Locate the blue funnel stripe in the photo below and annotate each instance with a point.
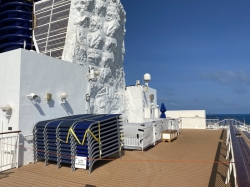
(15, 24)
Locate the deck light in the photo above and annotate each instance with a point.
(87, 97)
(48, 97)
(63, 97)
(5, 108)
(93, 74)
(32, 96)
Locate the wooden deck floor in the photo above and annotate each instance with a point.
(187, 161)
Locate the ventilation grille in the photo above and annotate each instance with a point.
(51, 26)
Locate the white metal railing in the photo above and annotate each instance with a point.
(212, 123)
(224, 123)
(131, 141)
(148, 133)
(9, 150)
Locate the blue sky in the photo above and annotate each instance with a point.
(197, 52)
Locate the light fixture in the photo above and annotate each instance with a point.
(48, 97)
(63, 97)
(5, 108)
(93, 74)
(32, 96)
(151, 97)
(87, 97)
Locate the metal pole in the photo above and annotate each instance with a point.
(24, 44)
(33, 24)
(1, 140)
(17, 150)
(1, 126)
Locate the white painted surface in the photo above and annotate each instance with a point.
(157, 112)
(193, 123)
(95, 39)
(10, 87)
(139, 104)
(166, 136)
(81, 162)
(190, 119)
(185, 113)
(23, 72)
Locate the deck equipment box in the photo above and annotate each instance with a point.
(169, 135)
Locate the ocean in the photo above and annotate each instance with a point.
(240, 117)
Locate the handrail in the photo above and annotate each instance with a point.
(10, 132)
(238, 162)
(231, 119)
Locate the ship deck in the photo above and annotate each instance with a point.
(195, 158)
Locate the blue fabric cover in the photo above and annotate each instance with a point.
(163, 110)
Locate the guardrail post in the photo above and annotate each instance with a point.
(234, 170)
(17, 150)
(229, 172)
(228, 151)
(154, 139)
(228, 136)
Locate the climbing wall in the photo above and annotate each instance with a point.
(95, 39)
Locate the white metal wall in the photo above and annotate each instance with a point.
(193, 123)
(23, 72)
(190, 119)
(139, 105)
(10, 87)
(185, 113)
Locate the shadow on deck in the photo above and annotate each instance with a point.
(5, 174)
(219, 170)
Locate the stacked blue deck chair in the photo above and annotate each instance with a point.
(66, 142)
(64, 139)
(43, 143)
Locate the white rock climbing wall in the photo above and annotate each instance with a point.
(95, 38)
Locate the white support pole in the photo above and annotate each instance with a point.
(232, 163)
(24, 44)
(1, 154)
(229, 173)
(1, 129)
(228, 136)
(228, 151)
(142, 140)
(17, 150)
(51, 13)
(234, 170)
(154, 139)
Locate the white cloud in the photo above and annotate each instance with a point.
(227, 77)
